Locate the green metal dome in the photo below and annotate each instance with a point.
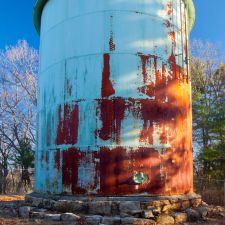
(38, 8)
(37, 12)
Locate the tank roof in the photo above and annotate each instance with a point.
(37, 12)
(39, 6)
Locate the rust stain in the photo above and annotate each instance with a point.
(114, 167)
(68, 125)
(70, 165)
(147, 89)
(175, 69)
(107, 86)
(71, 160)
(172, 36)
(111, 114)
(117, 168)
(169, 8)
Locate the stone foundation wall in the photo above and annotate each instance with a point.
(130, 210)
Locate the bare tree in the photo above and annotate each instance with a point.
(18, 80)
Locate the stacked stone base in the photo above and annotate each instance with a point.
(130, 210)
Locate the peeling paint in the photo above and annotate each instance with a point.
(107, 86)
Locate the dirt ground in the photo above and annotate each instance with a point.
(9, 216)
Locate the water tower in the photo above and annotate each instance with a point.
(114, 97)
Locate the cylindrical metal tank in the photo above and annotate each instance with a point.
(114, 99)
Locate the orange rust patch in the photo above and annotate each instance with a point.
(169, 9)
(172, 36)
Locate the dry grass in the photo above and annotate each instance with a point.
(18, 221)
(11, 198)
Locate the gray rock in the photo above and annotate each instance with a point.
(180, 217)
(53, 217)
(148, 214)
(204, 204)
(129, 206)
(124, 215)
(48, 203)
(193, 215)
(115, 210)
(136, 213)
(111, 220)
(39, 210)
(70, 206)
(37, 202)
(13, 212)
(100, 208)
(37, 215)
(93, 220)
(203, 211)
(165, 220)
(136, 221)
(24, 211)
(69, 217)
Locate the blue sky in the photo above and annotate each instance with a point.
(16, 22)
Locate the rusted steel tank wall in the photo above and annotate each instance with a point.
(114, 98)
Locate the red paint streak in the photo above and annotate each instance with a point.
(147, 89)
(155, 112)
(176, 70)
(163, 136)
(172, 36)
(151, 89)
(107, 87)
(169, 9)
(144, 61)
(68, 125)
(70, 169)
(72, 159)
(111, 114)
